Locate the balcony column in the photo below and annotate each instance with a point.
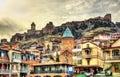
(18, 70)
(60, 69)
(10, 67)
(7, 67)
(65, 69)
(2, 67)
(22, 65)
(110, 54)
(27, 67)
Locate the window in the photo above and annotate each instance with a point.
(43, 68)
(17, 67)
(12, 67)
(115, 52)
(23, 57)
(13, 55)
(79, 46)
(79, 61)
(5, 55)
(88, 61)
(88, 45)
(74, 54)
(87, 52)
(37, 69)
(32, 57)
(2, 54)
(53, 68)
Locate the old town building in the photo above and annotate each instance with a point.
(92, 58)
(112, 57)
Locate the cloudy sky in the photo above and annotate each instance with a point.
(17, 15)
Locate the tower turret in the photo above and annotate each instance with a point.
(33, 26)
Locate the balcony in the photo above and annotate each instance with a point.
(5, 71)
(33, 62)
(30, 62)
(25, 71)
(25, 61)
(6, 60)
(114, 58)
(89, 56)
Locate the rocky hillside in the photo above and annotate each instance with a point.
(90, 27)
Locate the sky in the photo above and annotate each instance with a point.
(17, 15)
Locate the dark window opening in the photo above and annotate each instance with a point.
(115, 52)
(88, 61)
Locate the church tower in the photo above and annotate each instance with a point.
(68, 42)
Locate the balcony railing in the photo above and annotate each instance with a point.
(57, 71)
(4, 59)
(25, 61)
(30, 62)
(25, 71)
(89, 56)
(5, 71)
(114, 58)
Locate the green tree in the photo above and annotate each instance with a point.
(57, 57)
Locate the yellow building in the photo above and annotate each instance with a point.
(112, 57)
(92, 58)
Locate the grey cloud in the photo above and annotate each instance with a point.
(8, 27)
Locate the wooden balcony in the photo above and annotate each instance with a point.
(5, 60)
(31, 62)
(25, 61)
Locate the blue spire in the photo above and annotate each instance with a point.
(67, 33)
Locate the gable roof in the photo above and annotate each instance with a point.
(116, 43)
(67, 33)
